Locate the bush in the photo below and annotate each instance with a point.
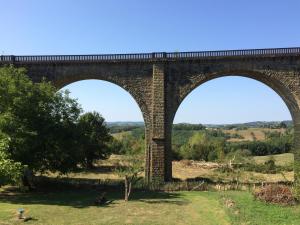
(270, 165)
(200, 145)
(10, 171)
(277, 194)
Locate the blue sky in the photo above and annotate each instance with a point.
(91, 27)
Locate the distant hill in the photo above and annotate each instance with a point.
(117, 127)
(128, 125)
(255, 124)
(125, 123)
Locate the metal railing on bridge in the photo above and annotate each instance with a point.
(150, 56)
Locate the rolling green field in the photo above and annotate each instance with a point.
(76, 207)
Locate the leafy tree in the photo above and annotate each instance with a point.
(10, 171)
(282, 125)
(115, 146)
(39, 121)
(95, 138)
(131, 143)
(201, 145)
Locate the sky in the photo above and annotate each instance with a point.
(30, 27)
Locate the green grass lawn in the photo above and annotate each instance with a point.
(250, 211)
(76, 207)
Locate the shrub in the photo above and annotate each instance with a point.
(270, 165)
(10, 171)
(277, 194)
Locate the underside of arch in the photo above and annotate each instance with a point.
(275, 84)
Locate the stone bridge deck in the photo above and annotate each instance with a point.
(155, 56)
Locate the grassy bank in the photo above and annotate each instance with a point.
(77, 207)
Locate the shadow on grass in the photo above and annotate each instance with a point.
(152, 197)
(99, 169)
(164, 201)
(86, 198)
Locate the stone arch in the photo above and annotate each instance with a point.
(285, 84)
(131, 87)
(282, 88)
(124, 86)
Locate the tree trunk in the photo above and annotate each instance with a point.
(28, 178)
(129, 189)
(126, 188)
(89, 163)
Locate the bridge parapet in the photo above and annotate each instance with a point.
(155, 56)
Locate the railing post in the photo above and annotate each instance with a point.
(12, 57)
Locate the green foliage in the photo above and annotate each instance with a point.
(249, 211)
(242, 128)
(187, 126)
(274, 144)
(40, 122)
(131, 165)
(235, 135)
(94, 138)
(203, 146)
(131, 143)
(267, 167)
(10, 171)
(282, 125)
(122, 128)
(214, 137)
(129, 169)
(239, 156)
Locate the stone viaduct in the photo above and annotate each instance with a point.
(159, 82)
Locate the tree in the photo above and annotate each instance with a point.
(129, 169)
(203, 146)
(39, 121)
(95, 138)
(10, 171)
(282, 125)
(131, 143)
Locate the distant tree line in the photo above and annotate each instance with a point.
(188, 126)
(122, 128)
(244, 126)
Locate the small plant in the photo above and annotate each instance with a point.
(129, 170)
(277, 194)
